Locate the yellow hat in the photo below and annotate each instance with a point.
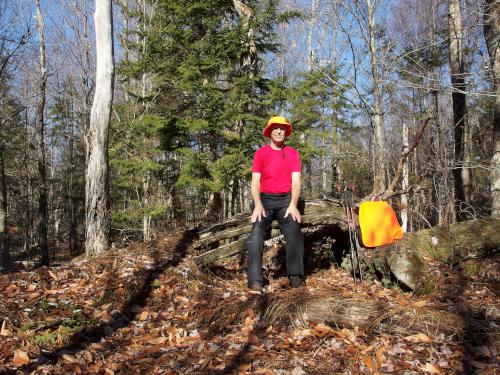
(277, 120)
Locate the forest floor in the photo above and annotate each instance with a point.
(149, 309)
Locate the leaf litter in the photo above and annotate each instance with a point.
(149, 309)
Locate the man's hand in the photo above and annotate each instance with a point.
(292, 210)
(258, 213)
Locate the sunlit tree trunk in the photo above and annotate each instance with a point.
(40, 130)
(97, 182)
(461, 172)
(492, 36)
(146, 217)
(379, 172)
(405, 182)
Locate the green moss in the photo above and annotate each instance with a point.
(427, 286)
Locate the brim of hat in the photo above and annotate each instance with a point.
(269, 128)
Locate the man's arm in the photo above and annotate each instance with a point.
(258, 211)
(296, 187)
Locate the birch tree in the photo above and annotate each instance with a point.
(97, 179)
(492, 36)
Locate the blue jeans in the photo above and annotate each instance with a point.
(293, 238)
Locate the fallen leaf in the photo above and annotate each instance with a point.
(431, 369)
(70, 359)
(380, 357)
(34, 295)
(158, 340)
(298, 371)
(144, 315)
(420, 303)
(4, 331)
(31, 288)
(321, 330)
(11, 288)
(370, 363)
(244, 367)
(20, 358)
(419, 337)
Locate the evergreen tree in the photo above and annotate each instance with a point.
(210, 107)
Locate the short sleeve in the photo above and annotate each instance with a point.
(296, 167)
(257, 162)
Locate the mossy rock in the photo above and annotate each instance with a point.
(408, 260)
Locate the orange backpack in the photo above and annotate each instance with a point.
(379, 224)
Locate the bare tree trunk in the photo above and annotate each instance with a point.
(146, 218)
(310, 30)
(72, 232)
(40, 125)
(492, 36)
(28, 245)
(4, 250)
(379, 175)
(97, 182)
(460, 172)
(405, 182)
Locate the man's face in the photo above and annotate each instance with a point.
(278, 134)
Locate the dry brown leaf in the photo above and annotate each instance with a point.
(31, 288)
(419, 337)
(108, 371)
(380, 357)
(321, 330)
(158, 340)
(245, 367)
(420, 303)
(70, 359)
(144, 315)
(20, 358)
(370, 363)
(4, 331)
(431, 369)
(34, 295)
(11, 288)
(368, 349)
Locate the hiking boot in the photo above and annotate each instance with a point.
(295, 281)
(255, 286)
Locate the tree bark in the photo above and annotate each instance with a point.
(40, 125)
(405, 181)
(379, 171)
(492, 36)
(461, 172)
(4, 250)
(97, 181)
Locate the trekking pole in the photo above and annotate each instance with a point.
(357, 248)
(353, 238)
(347, 203)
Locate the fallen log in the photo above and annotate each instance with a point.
(227, 239)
